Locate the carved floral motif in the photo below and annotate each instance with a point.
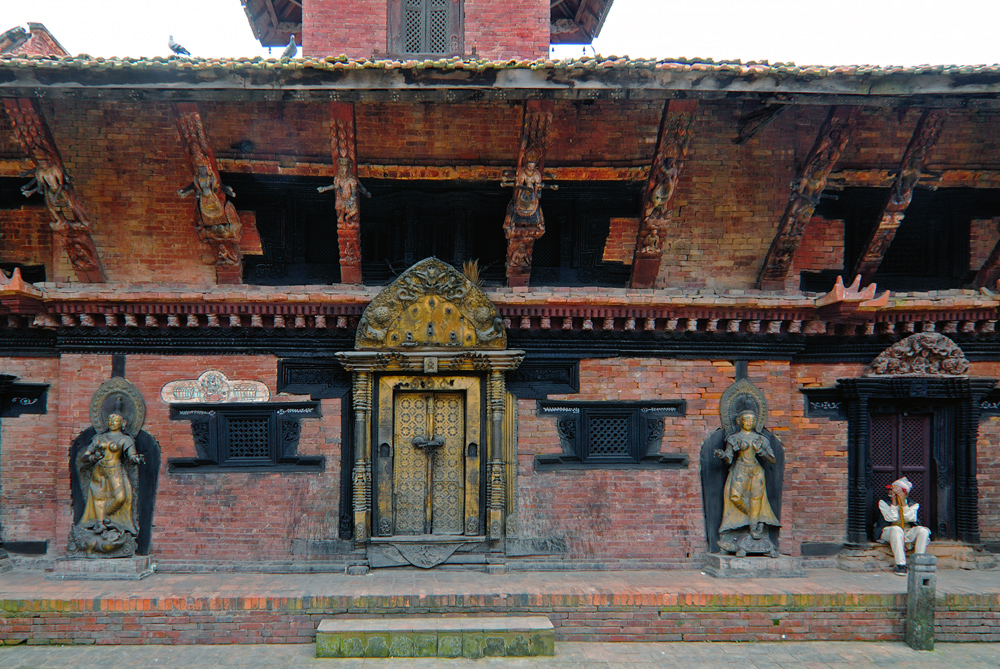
(922, 354)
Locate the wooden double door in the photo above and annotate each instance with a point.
(428, 459)
(916, 441)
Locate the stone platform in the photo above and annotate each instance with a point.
(730, 566)
(665, 605)
(436, 636)
(116, 569)
(950, 555)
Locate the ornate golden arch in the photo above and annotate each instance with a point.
(431, 305)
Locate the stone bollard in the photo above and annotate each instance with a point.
(921, 584)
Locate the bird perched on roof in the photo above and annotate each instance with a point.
(245, 146)
(292, 49)
(177, 48)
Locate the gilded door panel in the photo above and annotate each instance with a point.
(416, 494)
(449, 464)
(410, 464)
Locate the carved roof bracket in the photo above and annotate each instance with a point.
(347, 189)
(524, 222)
(671, 151)
(215, 218)
(830, 142)
(71, 222)
(917, 153)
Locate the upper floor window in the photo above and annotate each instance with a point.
(425, 27)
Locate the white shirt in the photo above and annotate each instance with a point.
(891, 512)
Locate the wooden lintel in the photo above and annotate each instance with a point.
(347, 189)
(925, 135)
(830, 141)
(71, 221)
(668, 160)
(524, 222)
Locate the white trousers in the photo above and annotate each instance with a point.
(895, 537)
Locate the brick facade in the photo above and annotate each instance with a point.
(518, 29)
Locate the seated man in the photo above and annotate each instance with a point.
(898, 525)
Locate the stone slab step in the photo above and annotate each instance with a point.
(950, 555)
(435, 636)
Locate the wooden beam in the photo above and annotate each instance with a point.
(668, 160)
(347, 189)
(215, 218)
(524, 222)
(274, 15)
(830, 141)
(925, 135)
(71, 221)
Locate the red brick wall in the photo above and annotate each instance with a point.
(606, 516)
(512, 29)
(26, 237)
(982, 238)
(31, 457)
(988, 459)
(227, 516)
(334, 27)
(127, 162)
(822, 247)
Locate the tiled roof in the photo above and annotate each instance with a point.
(84, 61)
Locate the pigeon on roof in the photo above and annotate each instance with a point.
(291, 50)
(177, 48)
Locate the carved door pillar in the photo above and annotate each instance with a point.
(362, 475)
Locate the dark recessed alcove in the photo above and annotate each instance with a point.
(931, 248)
(406, 221)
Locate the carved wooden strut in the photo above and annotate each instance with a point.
(830, 142)
(524, 222)
(917, 153)
(215, 218)
(671, 151)
(347, 188)
(71, 223)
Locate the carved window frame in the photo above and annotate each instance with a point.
(644, 433)
(210, 429)
(396, 27)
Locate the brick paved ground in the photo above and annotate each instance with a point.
(604, 655)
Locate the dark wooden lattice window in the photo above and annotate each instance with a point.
(901, 446)
(425, 27)
(246, 436)
(599, 434)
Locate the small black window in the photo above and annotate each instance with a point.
(601, 434)
(246, 436)
(425, 27)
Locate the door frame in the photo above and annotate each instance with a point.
(953, 458)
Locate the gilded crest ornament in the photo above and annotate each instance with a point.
(431, 305)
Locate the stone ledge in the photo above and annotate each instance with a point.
(950, 554)
(419, 636)
(98, 569)
(730, 566)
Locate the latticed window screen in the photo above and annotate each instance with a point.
(610, 436)
(248, 438)
(428, 26)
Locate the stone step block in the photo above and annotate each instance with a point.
(428, 636)
(950, 554)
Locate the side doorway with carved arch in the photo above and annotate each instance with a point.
(915, 411)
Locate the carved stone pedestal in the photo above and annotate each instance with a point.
(5, 563)
(730, 566)
(110, 569)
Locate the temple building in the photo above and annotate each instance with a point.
(425, 296)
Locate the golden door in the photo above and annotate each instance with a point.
(428, 475)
